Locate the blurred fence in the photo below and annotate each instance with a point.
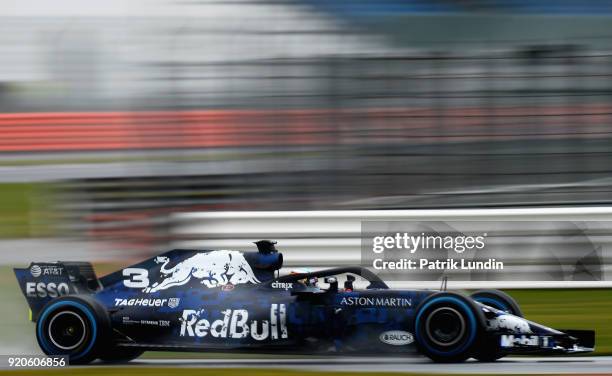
(474, 128)
(332, 238)
(558, 94)
(485, 125)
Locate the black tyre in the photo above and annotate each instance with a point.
(114, 354)
(489, 349)
(76, 326)
(498, 300)
(447, 327)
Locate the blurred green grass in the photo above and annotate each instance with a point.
(25, 210)
(15, 204)
(571, 309)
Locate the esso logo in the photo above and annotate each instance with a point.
(43, 290)
(396, 338)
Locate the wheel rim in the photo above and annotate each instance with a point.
(67, 330)
(445, 326)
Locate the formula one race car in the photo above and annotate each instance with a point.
(203, 300)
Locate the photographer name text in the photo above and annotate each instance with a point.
(448, 264)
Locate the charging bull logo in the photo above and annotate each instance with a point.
(214, 269)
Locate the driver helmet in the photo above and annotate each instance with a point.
(312, 281)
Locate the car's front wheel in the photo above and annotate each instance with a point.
(447, 327)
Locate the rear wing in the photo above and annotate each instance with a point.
(41, 282)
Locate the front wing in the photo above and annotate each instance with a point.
(567, 342)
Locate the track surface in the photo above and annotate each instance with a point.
(537, 365)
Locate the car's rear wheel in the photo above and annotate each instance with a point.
(75, 326)
(447, 327)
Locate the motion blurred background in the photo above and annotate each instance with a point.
(117, 116)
